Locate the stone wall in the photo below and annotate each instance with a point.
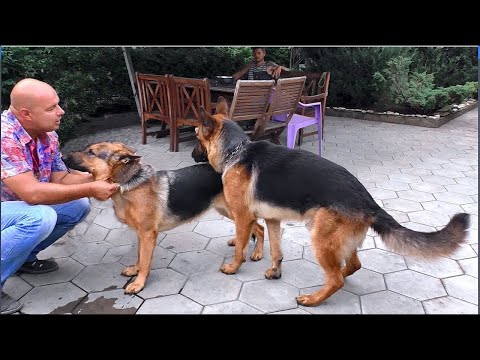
(441, 117)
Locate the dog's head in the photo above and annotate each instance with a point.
(105, 161)
(219, 137)
(199, 153)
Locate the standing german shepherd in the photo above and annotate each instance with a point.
(261, 179)
(151, 202)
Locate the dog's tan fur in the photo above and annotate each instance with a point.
(335, 233)
(147, 217)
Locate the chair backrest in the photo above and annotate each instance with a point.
(154, 95)
(188, 95)
(284, 101)
(317, 85)
(251, 99)
(286, 96)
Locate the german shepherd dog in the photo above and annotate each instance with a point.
(151, 202)
(261, 179)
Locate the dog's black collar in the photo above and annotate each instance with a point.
(144, 174)
(231, 154)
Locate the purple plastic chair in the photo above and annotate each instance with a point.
(298, 122)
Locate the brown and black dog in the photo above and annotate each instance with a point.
(150, 201)
(261, 179)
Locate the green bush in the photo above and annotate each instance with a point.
(84, 78)
(357, 80)
(399, 88)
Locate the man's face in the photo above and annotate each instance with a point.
(46, 113)
(258, 55)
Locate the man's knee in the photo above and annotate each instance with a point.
(83, 208)
(41, 219)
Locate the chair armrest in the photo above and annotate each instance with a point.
(309, 104)
(313, 98)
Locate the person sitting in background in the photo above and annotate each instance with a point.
(40, 199)
(259, 69)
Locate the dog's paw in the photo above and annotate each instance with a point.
(228, 269)
(273, 274)
(134, 287)
(256, 255)
(131, 270)
(231, 242)
(306, 300)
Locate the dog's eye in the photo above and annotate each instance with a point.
(90, 152)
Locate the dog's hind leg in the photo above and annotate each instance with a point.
(274, 234)
(352, 264)
(259, 233)
(147, 240)
(329, 232)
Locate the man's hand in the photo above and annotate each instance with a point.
(103, 190)
(274, 71)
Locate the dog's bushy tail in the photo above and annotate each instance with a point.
(428, 245)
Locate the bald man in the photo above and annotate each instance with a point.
(40, 199)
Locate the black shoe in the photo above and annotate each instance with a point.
(9, 305)
(38, 267)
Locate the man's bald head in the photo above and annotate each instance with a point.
(29, 93)
(35, 104)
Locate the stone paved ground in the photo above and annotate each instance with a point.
(422, 176)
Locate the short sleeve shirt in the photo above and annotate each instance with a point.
(260, 72)
(17, 150)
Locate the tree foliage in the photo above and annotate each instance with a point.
(420, 79)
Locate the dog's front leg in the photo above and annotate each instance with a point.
(243, 231)
(146, 244)
(274, 234)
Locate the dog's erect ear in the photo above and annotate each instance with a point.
(132, 150)
(208, 122)
(125, 159)
(222, 106)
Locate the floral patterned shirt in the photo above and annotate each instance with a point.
(17, 150)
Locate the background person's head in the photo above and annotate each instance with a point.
(258, 54)
(36, 105)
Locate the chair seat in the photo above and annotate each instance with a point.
(302, 121)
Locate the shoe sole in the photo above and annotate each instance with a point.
(28, 271)
(11, 311)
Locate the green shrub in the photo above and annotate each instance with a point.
(399, 88)
(84, 78)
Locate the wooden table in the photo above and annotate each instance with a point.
(227, 91)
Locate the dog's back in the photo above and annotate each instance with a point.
(300, 180)
(190, 191)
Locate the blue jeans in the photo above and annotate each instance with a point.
(28, 229)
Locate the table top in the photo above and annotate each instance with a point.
(223, 88)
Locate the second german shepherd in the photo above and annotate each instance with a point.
(261, 179)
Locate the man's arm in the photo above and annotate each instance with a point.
(241, 72)
(275, 70)
(66, 178)
(32, 191)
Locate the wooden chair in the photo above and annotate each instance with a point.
(155, 100)
(283, 103)
(250, 100)
(187, 96)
